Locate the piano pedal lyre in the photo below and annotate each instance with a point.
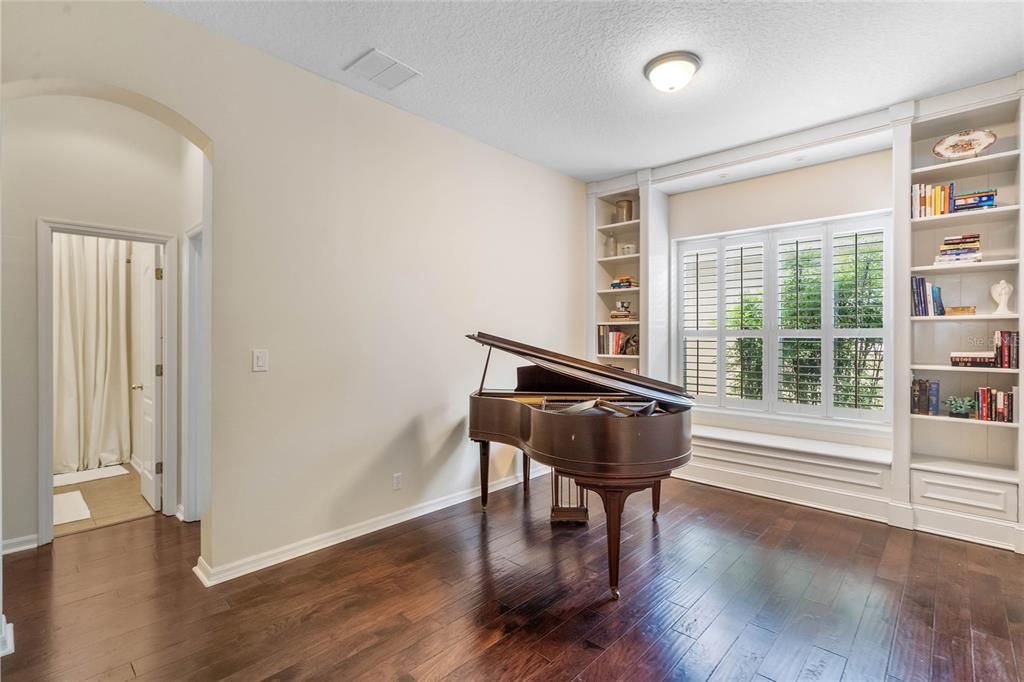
(568, 501)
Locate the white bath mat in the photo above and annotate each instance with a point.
(68, 507)
(76, 477)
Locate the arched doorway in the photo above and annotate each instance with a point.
(192, 423)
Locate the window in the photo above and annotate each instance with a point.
(788, 320)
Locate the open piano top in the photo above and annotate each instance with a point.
(557, 379)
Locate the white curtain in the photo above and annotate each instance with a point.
(92, 423)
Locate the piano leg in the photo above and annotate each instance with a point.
(656, 498)
(614, 500)
(526, 475)
(485, 464)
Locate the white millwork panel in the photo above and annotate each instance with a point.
(654, 276)
(901, 115)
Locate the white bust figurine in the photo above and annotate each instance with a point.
(1001, 291)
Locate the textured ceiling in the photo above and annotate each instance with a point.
(560, 83)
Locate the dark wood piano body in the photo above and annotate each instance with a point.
(602, 451)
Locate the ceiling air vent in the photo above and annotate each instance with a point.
(381, 69)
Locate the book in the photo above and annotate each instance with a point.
(937, 300)
(919, 396)
(960, 248)
(933, 398)
(975, 200)
(961, 310)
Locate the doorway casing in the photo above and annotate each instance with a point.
(45, 229)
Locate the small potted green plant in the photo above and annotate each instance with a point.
(959, 407)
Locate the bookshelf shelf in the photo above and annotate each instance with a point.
(630, 290)
(964, 318)
(612, 227)
(630, 258)
(965, 218)
(989, 471)
(607, 356)
(1002, 162)
(967, 422)
(974, 370)
(632, 323)
(958, 268)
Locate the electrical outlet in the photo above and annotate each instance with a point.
(396, 481)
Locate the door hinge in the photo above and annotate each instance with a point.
(159, 370)
(159, 273)
(159, 468)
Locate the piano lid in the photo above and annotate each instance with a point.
(608, 377)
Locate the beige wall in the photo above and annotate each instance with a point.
(81, 160)
(357, 243)
(861, 183)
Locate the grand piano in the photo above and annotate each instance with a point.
(608, 431)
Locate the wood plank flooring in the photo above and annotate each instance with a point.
(111, 500)
(722, 586)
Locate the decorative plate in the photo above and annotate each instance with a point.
(963, 145)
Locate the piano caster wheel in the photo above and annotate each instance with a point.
(654, 515)
(615, 593)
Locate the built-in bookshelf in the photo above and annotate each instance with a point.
(968, 454)
(617, 335)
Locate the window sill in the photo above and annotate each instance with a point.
(806, 426)
(859, 453)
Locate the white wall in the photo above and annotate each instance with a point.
(82, 160)
(860, 183)
(357, 243)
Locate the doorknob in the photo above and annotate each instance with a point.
(136, 387)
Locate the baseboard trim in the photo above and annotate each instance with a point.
(210, 576)
(6, 636)
(976, 529)
(901, 515)
(180, 513)
(20, 544)
(136, 464)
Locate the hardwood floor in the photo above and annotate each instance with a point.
(722, 586)
(111, 500)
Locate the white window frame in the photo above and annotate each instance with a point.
(770, 236)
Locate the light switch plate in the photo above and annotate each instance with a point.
(260, 360)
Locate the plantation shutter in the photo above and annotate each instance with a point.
(799, 282)
(858, 377)
(700, 366)
(699, 304)
(800, 371)
(857, 278)
(744, 318)
(700, 289)
(744, 286)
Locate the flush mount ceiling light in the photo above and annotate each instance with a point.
(672, 71)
